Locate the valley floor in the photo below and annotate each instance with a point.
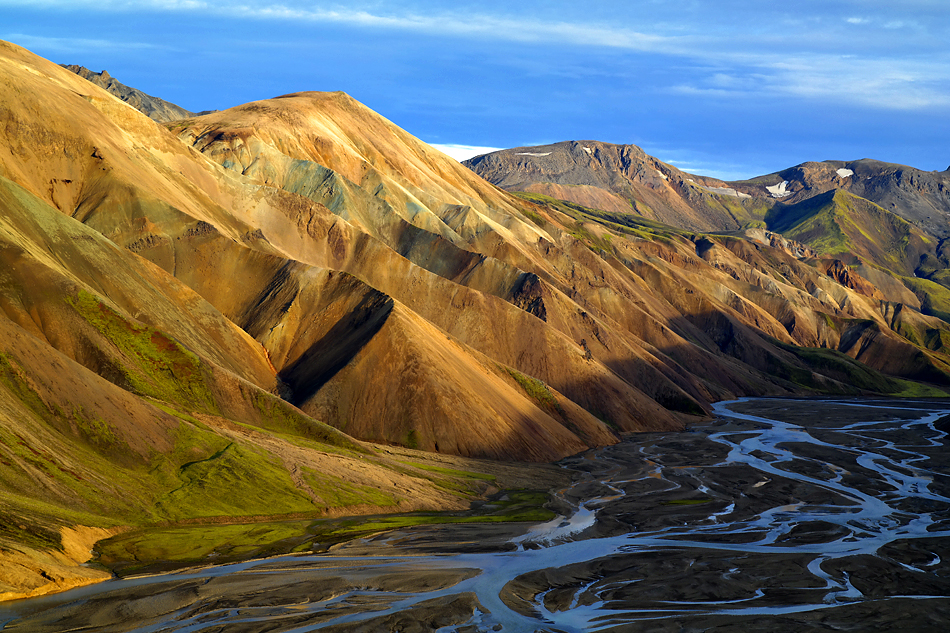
(28, 573)
(782, 515)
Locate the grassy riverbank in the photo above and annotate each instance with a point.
(167, 548)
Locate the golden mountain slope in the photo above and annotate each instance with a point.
(127, 397)
(568, 287)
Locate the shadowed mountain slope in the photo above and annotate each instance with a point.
(920, 197)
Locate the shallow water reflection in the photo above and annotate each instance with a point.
(780, 516)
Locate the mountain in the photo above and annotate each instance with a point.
(207, 320)
(887, 222)
(622, 179)
(128, 399)
(920, 197)
(153, 107)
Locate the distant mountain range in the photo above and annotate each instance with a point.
(623, 178)
(878, 218)
(206, 319)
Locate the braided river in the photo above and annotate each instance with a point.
(779, 515)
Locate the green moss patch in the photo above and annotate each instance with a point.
(157, 365)
(850, 375)
(234, 481)
(934, 297)
(166, 548)
(451, 472)
(278, 416)
(19, 529)
(911, 389)
(842, 225)
(161, 549)
(537, 390)
(15, 380)
(631, 224)
(337, 493)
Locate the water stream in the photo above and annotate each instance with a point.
(781, 515)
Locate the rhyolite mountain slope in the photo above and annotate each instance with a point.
(153, 107)
(623, 178)
(888, 222)
(126, 398)
(620, 179)
(202, 319)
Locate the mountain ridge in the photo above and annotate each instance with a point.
(633, 177)
(154, 108)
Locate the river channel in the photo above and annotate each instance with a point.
(780, 515)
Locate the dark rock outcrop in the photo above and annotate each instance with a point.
(152, 107)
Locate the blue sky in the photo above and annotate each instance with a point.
(723, 88)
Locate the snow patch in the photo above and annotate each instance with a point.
(844, 173)
(588, 150)
(532, 154)
(779, 190)
(662, 175)
(726, 191)
(722, 191)
(464, 152)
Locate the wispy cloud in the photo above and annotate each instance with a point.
(877, 82)
(463, 152)
(874, 65)
(75, 44)
(472, 25)
(495, 27)
(113, 5)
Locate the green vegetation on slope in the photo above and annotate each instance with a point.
(164, 549)
(50, 479)
(850, 376)
(934, 297)
(536, 389)
(816, 222)
(183, 503)
(746, 212)
(337, 493)
(282, 418)
(842, 225)
(626, 224)
(233, 481)
(159, 366)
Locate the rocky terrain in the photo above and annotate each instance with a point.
(153, 107)
(624, 179)
(205, 321)
(884, 221)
